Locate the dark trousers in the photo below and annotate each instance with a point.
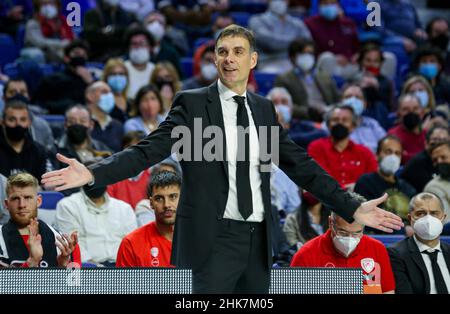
(238, 261)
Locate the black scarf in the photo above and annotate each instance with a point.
(17, 250)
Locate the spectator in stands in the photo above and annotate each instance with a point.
(155, 237)
(367, 131)
(147, 111)
(163, 50)
(48, 30)
(345, 245)
(409, 130)
(420, 263)
(100, 220)
(4, 215)
(139, 8)
(308, 86)
(429, 62)
(208, 70)
(100, 102)
(376, 184)
(16, 89)
(420, 87)
(284, 192)
(438, 36)
(104, 27)
(273, 50)
(419, 170)
(26, 241)
(77, 142)
(13, 14)
(307, 222)
(343, 159)
(440, 185)
(336, 39)
(166, 78)
(282, 101)
(59, 91)
(140, 44)
(18, 151)
(399, 19)
(115, 74)
(131, 190)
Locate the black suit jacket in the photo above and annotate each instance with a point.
(410, 272)
(204, 190)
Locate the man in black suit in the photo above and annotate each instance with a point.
(421, 263)
(223, 227)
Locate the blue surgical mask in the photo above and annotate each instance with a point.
(106, 102)
(356, 103)
(423, 97)
(429, 70)
(117, 82)
(285, 112)
(329, 11)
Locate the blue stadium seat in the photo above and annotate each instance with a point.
(340, 81)
(200, 41)
(8, 50)
(56, 123)
(241, 18)
(186, 66)
(355, 9)
(250, 6)
(50, 199)
(20, 37)
(265, 81)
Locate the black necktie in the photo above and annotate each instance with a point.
(439, 281)
(244, 191)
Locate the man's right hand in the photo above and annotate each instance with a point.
(75, 175)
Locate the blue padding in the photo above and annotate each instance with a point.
(50, 199)
(186, 66)
(265, 81)
(8, 50)
(241, 18)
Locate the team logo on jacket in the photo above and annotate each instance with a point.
(368, 264)
(154, 251)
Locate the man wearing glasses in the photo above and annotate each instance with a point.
(344, 245)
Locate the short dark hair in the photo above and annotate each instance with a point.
(434, 128)
(76, 43)
(14, 80)
(132, 136)
(209, 48)
(234, 30)
(16, 104)
(366, 48)
(384, 139)
(163, 179)
(137, 30)
(439, 144)
(140, 94)
(434, 20)
(298, 45)
(427, 50)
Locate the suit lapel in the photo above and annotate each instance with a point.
(417, 258)
(256, 112)
(446, 252)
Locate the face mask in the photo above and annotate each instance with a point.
(411, 121)
(339, 132)
(423, 97)
(305, 61)
(278, 7)
(106, 102)
(49, 11)
(157, 30)
(77, 133)
(429, 70)
(345, 245)
(440, 41)
(94, 193)
(78, 62)
(390, 164)
(428, 227)
(373, 70)
(444, 170)
(16, 134)
(161, 82)
(19, 97)
(117, 82)
(112, 2)
(209, 71)
(139, 55)
(329, 11)
(285, 112)
(356, 103)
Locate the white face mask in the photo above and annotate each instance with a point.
(278, 7)
(345, 245)
(305, 61)
(157, 30)
(423, 97)
(390, 164)
(428, 227)
(209, 71)
(49, 11)
(139, 55)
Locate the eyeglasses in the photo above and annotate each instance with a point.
(343, 233)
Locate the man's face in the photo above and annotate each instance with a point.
(234, 60)
(16, 88)
(431, 59)
(76, 52)
(342, 116)
(372, 59)
(423, 207)
(441, 155)
(409, 105)
(78, 116)
(438, 135)
(353, 92)
(390, 147)
(280, 99)
(139, 41)
(208, 57)
(439, 27)
(22, 204)
(339, 227)
(101, 89)
(164, 202)
(17, 117)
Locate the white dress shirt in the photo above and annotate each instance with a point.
(229, 109)
(441, 262)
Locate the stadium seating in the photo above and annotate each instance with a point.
(186, 66)
(56, 123)
(241, 18)
(47, 211)
(265, 81)
(8, 49)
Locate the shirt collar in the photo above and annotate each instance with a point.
(423, 247)
(93, 208)
(104, 125)
(227, 93)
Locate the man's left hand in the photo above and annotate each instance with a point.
(66, 245)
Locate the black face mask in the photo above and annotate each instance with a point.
(16, 134)
(440, 41)
(161, 82)
(339, 132)
(77, 133)
(19, 97)
(411, 121)
(94, 193)
(78, 62)
(444, 170)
